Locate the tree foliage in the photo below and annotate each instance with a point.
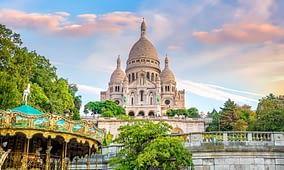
(106, 108)
(231, 117)
(19, 67)
(191, 112)
(269, 114)
(228, 115)
(147, 144)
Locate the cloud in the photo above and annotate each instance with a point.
(251, 22)
(234, 90)
(242, 33)
(89, 89)
(217, 92)
(254, 10)
(58, 23)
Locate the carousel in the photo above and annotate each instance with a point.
(31, 139)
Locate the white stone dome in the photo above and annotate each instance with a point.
(167, 74)
(143, 48)
(118, 74)
(143, 53)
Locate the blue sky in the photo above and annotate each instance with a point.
(218, 49)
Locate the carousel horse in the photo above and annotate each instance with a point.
(26, 94)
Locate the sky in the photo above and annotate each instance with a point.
(217, 49)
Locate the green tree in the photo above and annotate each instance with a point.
(193, 112)
(269, 114)
(106, 108)
(171, 112)
(147, 144)
(76, 116)
(19, 67)
(228, 115)
(215, 125)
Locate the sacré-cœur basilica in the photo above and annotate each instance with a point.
(143, 89)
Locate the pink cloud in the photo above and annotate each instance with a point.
(59, 24)
(241, 32)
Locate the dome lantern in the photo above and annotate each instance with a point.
(143, 28)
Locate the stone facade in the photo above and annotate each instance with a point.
(143, 89)
(180, 126)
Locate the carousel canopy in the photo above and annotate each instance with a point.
(26, 109)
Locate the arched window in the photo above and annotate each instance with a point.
(132, 101)
(133, 77)
(152, 77)
(129, 78)
(148, 75)
(141, 95)
(151, 98)
(167, 88)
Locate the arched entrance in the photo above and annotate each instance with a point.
(177, 130)
(141, 113)
(131, 113)
(151, 114)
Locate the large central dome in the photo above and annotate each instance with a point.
(143, 53)
(143, 48)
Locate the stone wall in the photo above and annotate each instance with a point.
(183, 125)
(237, 150)
(238, 160)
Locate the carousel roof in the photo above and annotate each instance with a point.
(30, 121)
(26, 109)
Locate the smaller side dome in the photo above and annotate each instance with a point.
(167, 74)
(118, 74)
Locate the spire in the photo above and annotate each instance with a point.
(166, 61)
(143, 28)
(118, 62)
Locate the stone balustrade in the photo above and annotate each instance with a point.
(225, 138)
(236, 150)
